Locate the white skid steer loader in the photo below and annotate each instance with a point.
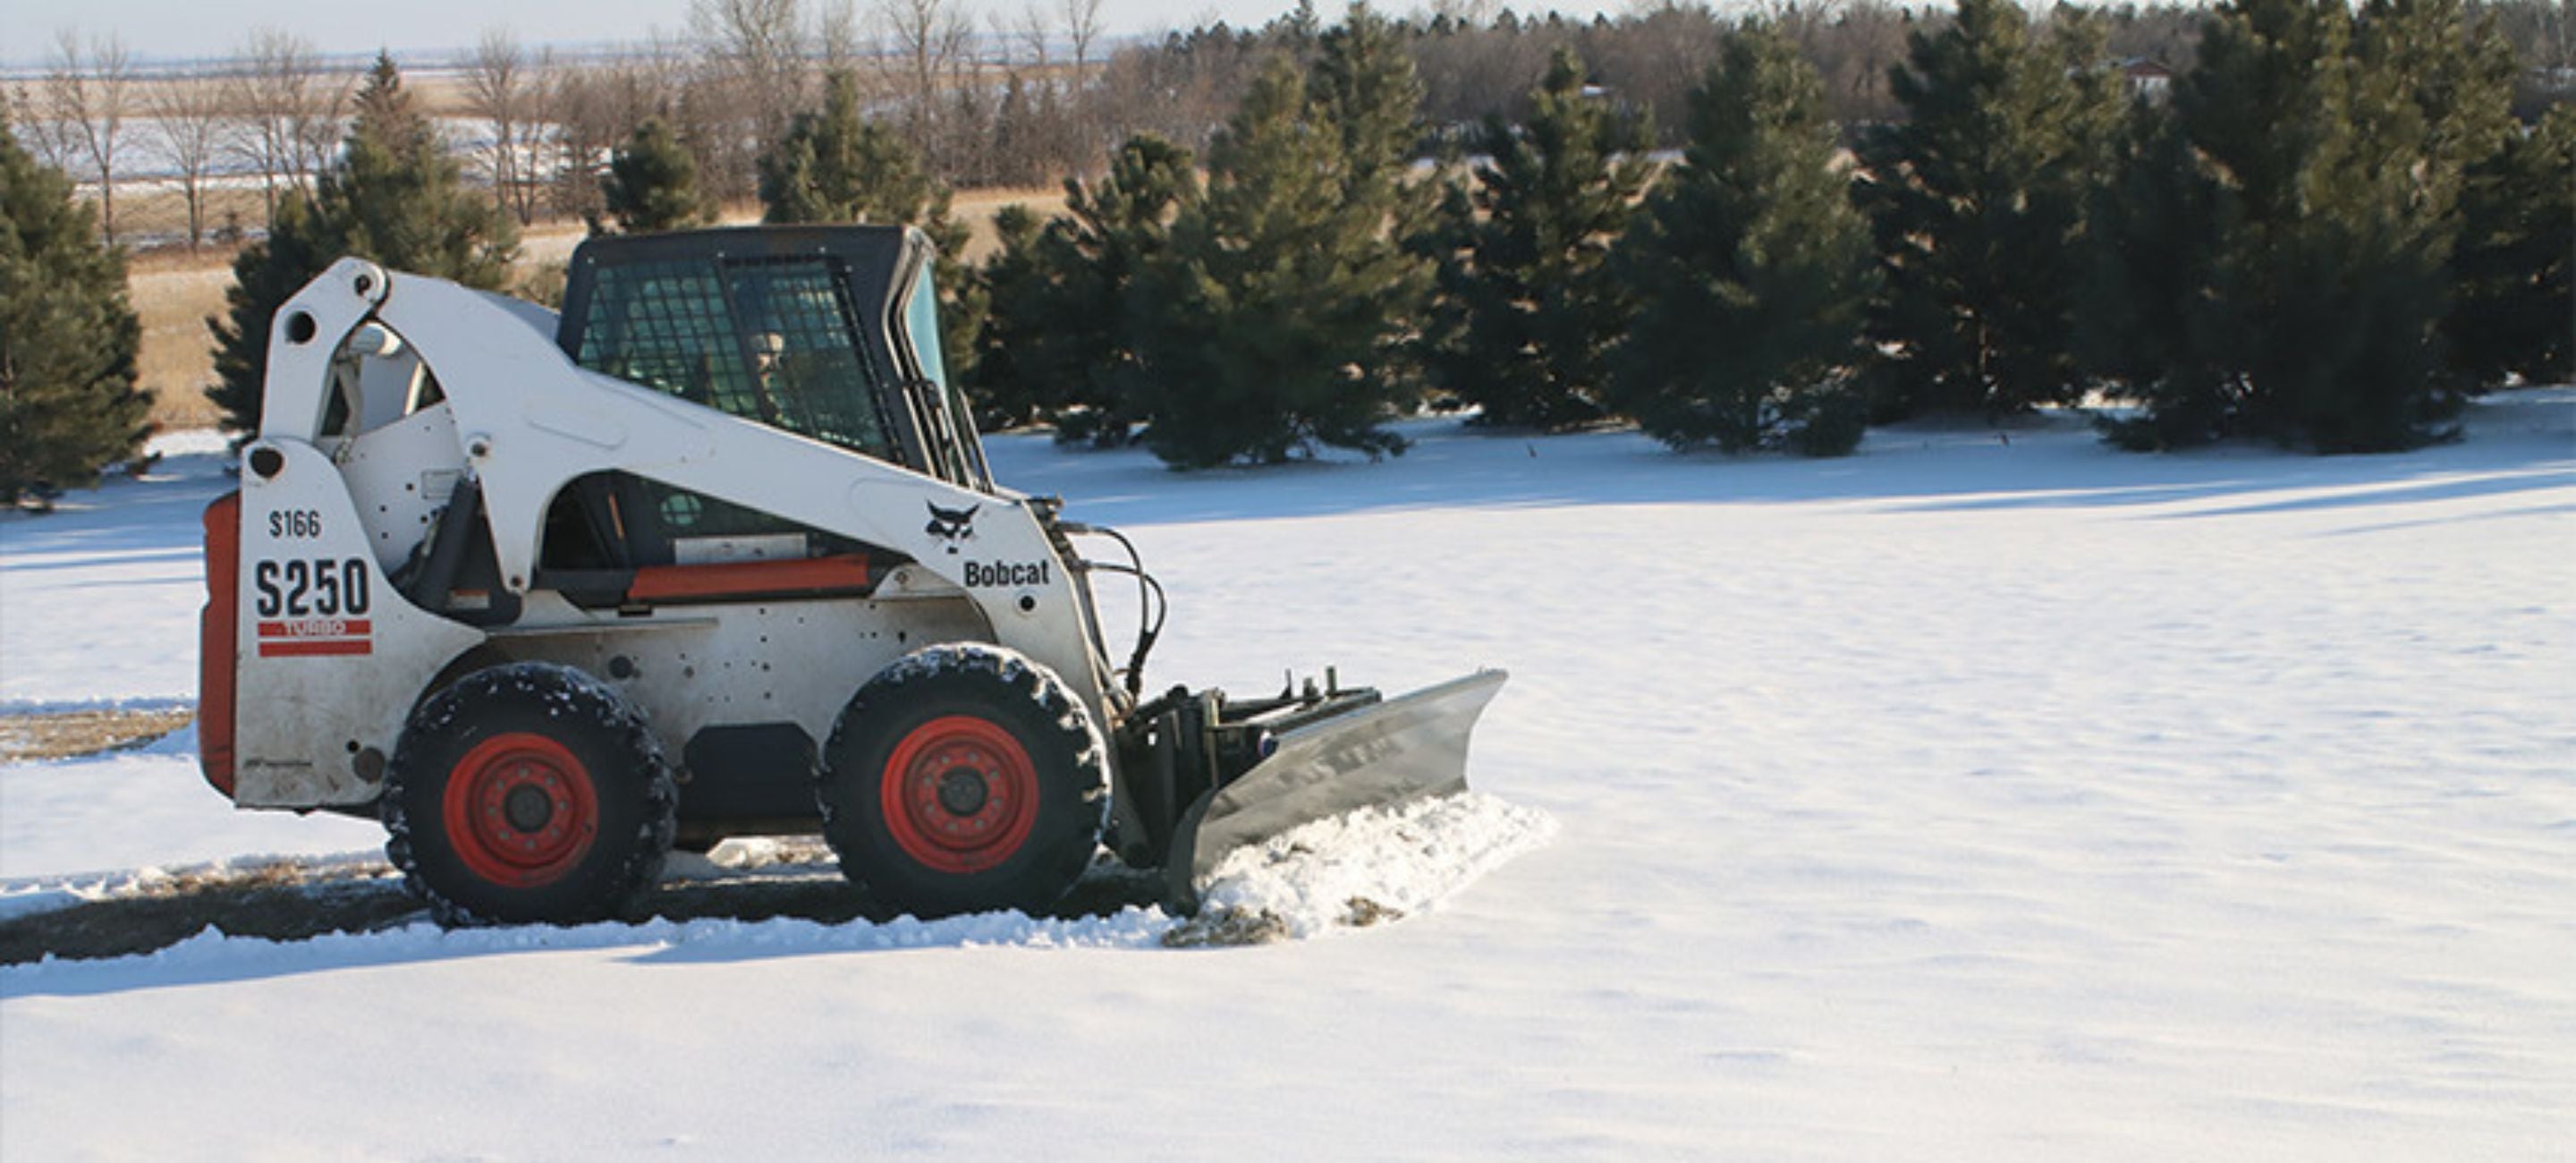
(714, 552)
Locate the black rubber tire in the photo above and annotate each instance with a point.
(971, 696)
(536, 746)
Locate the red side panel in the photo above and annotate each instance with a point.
(744, 580)
(216, 664)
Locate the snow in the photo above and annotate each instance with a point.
(98, 601)
(1373, 865)
(1986, 795)
(133, 810)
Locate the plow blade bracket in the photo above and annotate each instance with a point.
(1383, 754)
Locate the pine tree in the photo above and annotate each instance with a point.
(1527, 310)
(394, 196)
(2355, 277)
(652, 183)
(2148, 315)
(266, 273)
(2203, 197)
(2329, 150)
(2515, 314)
(1978, 200)
(2430, 96)
(1259, 331)
(1015, 280)
(68, 402)
(837, 165)
(1363, 83)
(1753, 266)
(1057, 341)
(401, 198)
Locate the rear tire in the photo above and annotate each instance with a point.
(528, 793)
(964, 778)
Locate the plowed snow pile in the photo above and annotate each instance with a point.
(1966, 799)
(1373, 865)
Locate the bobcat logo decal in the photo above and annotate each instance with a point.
(951, 525)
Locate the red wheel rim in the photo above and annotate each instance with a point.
(959, 794)
(520, 810)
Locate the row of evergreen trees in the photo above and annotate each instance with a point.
(2337, 232)
(2330, 235)
(1313, 286)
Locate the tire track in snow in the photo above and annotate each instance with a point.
(1356, 871)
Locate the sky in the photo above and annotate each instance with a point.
(181, 29)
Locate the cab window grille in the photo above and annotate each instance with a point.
(772, 340)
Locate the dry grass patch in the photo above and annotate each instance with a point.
(173, 299)
(76, 733)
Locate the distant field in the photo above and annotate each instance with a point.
(178, 359)
(174, 291)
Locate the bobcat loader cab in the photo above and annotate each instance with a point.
(715, 552)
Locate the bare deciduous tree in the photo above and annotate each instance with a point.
(1178, 88)
(837, 36)
(536, 133)
(274, 91)
(1081, 20)
(1852, 44)
(592, 108)
(1468, 72)
(1027, 36)
(1652, 61)
(48, 139)
(86, 95)
(500, 88)
(188, 116)
(927, 45)
(323, 120)
(761, 50)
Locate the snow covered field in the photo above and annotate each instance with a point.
(1961, 800)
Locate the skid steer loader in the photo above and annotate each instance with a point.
(714, 552)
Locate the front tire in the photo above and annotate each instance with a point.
(528, 793)
(964, 778)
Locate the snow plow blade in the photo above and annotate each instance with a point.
(1385, 753)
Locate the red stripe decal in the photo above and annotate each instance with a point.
(709, 580)
(318, 628)
(310, 637)
(307, 647)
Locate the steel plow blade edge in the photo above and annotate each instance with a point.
(1386, 753)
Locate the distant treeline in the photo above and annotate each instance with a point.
(2293, 220)
(985, 97)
